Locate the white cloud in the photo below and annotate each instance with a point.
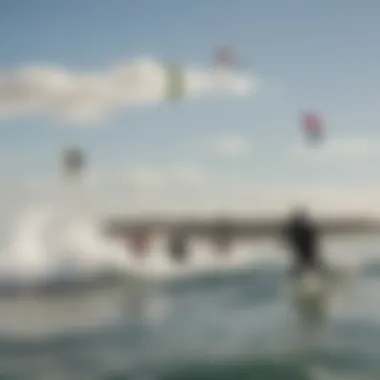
(229, 145)
(187, 174)
(186, 188)
(91, 97)
(144, 178)
(151, 177)
(344, 148)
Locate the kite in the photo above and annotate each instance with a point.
(312, 126)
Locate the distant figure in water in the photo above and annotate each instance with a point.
(223, 236)
(178, 246)
(140, 242)
(303, 236)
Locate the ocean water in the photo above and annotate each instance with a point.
(75, 305)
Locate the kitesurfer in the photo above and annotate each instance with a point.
(303, 236)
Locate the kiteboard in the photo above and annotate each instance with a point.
(309, 286)
(312, 292)
(314, 284)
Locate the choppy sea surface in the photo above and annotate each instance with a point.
(63, 316)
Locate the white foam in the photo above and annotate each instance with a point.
(49, 241)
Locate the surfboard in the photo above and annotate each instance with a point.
(315, 284)
(310, 286)
(313, 293)
(310, 293)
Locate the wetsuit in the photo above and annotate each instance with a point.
(303, 237)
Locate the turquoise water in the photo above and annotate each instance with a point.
(239, 325)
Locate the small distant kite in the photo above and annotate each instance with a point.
(225, 57)
(224, 61)
(73, 162)
(312, 126)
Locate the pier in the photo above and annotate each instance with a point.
(235, 228)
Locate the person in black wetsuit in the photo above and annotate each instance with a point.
(303, 236)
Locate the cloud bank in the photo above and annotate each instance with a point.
(91, 97)
(213, 199)
(189, 189)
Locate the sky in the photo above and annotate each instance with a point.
(91, 73)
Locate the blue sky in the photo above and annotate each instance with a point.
(321, 55)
